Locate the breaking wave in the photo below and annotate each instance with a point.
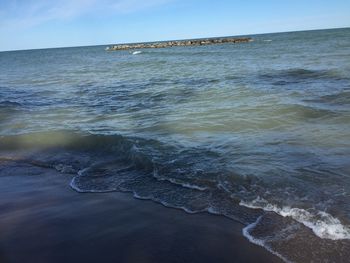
(260, 242)
(190, 179)
(322, 224)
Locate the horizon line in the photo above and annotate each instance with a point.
(154, 41)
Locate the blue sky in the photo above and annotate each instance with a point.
(27, 24)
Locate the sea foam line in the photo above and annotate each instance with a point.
(260, 242)
(321, 223)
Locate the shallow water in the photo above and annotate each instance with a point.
(258, 132)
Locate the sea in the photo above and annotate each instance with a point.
(257, 132)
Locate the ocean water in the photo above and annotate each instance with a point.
(258, 132)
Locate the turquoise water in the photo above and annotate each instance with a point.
(258, 132)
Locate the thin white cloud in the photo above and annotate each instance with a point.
(23, 14)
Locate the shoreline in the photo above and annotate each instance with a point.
(44, 220)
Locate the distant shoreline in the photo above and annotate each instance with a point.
(190, 42)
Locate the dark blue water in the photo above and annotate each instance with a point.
(258, 132)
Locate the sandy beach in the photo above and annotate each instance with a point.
(43, 220)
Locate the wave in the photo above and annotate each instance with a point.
(183, 178)
(340, 98)
(296, 75)
(136, 52)
(260, 242)
(64, 140)
(8, 103)
(302, 112)
(321, 223)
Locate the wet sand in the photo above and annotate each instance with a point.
(43, 220)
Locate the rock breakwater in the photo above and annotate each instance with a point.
(165, 44)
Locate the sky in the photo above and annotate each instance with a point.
(29, 24)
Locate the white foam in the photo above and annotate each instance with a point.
(211, 210)
(192, 186)
(82, 171)
(260, 242)
(187, 210)
(140, 197)
(74, 187)
(136, 52)
(321, 223)
(174, 181)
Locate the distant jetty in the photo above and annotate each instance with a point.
(179, 43)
